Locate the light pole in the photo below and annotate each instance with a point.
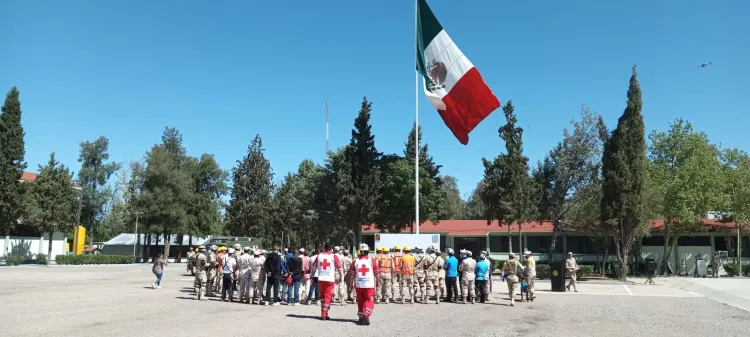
(137, 239)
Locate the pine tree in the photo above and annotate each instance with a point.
(12, 162)
(93, 177)
(52, 201)
(624, 174)
(250, 209)
(364, 159)
(509, 190)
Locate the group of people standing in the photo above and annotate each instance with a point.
(330, 275)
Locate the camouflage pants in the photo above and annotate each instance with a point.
(201, 281)
(407, 284)
(340, 291)
(572, 283)
(385, 286)
(396, 285)
(512, 281)
(441, 282)
(419, 285)
(211, 276)
(467, 286)
(245, 286)
(257, 288)
(530, 284)
(433, 285)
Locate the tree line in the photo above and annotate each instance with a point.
(604, 182)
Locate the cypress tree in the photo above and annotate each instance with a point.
(624, 174)
(12, 164)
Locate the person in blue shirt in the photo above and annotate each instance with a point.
(285, 273)
(481, 276)
(451, 275)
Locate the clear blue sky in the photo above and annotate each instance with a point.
(221, 73)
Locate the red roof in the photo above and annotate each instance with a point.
(29, 176)
(480, 227)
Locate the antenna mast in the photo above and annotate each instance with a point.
(327, 116)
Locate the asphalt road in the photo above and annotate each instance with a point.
(118, 301)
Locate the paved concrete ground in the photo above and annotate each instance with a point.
(734, 291)
(117, 301)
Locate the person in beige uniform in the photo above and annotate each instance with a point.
(571, 267)
(201, 279)
(431, 276)
(441, 273)
(530, 274)
(211, 271)
(511, 269)
(339, 292)
(245, 275)
(466, 268)
(347, 261)
(256, 278)
(419, 274)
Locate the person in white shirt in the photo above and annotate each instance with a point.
(228, 267)
(245, 275)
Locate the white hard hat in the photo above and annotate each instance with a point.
(336, 248)
(417, 247)
(256, 252)
(528, 252)
(230, 250)
(364, 246)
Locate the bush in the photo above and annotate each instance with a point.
(731, 269)
(14, 260)
(586, 270)
(41, 258)
(542, 271)
(94, 259)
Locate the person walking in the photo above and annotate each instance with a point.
(201, 276)
(571, 267)
(158, 269)
(715, 265)
(272, 266)
(363, 271)
(314, 290)
(451, 277)
(328, 267)
(510, 270)
(530, 273)
(211, 270)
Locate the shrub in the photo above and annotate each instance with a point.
(731, 269)
(41, 258)
(542, 271)
(94, 259)
(586, 270)
(14, 260)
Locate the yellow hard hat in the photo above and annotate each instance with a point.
(407, 248)
(397, 247)
(378, 249)
(197, 249)
(222, 248)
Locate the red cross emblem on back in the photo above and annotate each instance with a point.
(325, 264)
(363, 269)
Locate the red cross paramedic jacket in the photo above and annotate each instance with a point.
(327, 265)
(364, 270)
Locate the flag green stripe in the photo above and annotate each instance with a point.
(427, 28)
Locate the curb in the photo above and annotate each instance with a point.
(716, 295)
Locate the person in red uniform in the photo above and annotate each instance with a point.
(328, 267)
(362, 273)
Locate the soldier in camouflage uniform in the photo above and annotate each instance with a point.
(419, 275)
(511, 269)
(431, 276)
(211, 270)
(385, 272)
(466, 268)
(201, 279)
(441, 273)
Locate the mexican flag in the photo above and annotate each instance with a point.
(452, 84)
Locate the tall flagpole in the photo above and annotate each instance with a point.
(416, 120)
(327, 126)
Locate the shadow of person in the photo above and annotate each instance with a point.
(318, 318)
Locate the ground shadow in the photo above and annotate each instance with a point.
(187, 290)
(318, 318)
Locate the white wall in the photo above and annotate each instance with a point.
(28, 247)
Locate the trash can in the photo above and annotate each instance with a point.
(557, 276)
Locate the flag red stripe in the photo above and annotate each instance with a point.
(467, 104)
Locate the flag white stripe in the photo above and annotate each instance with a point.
(443, 49)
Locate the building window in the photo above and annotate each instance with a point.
(540, 244)
(499, 243)
(369, 240)
(581, 245)
(699, 241)
(653, 241)
(729, 243)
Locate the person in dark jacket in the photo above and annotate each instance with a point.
(294, 270)
(272, 267)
